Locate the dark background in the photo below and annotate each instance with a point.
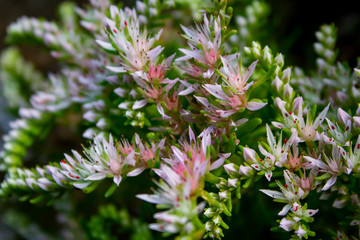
(294, 24)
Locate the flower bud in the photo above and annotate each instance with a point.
(277, 83)
(318, 48)
(356, 122)
(288, 92)
(286, 75)
(249, 154)
(279, 60)
(319, 36)
(329, 54)
(343, 116)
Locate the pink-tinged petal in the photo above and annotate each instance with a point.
(168, 217)
(300, 232)
(321, 117)
(253, 106)
(96, 176)
(203, 101)
(249, 71)
(168, 228)
(117, 179)
(240, 122)
(233, 182)
(286, 224)
(192, 135)
(297, 105)
(208, 73)
(187, 91)
(329, 183)
(216, 91)
(124, 105)
(339, 203)
(178, 154)
(274, 194)
(316, 162)
(356, 122)
(157, 37)
(105, 45)
(191, 54)
(81, 185)
(280, 104)
(229, 168)
(226, 67)
(130, 159)
(136, 171)
(284, 210)
(154, 53)
(155, 199)
(169, 60)
(161, 111)
(225, 114)
(217, 164)
(139, 104)
(205, 142)
(249, 155)
(116, 69)
(277, 83)
(244, 170)
(140, 81)
(161, 144)
(343, 116)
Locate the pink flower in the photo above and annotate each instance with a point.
(210, 43)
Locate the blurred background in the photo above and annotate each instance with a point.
(293, 24)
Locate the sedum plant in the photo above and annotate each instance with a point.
(188, 119)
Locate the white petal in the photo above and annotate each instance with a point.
(217, 164)
(105, 45)
(136, 171)
(285, 210)
(329, 183)
(139, 104)
(81, 185)
(96, 176)
(253, 106)
(273, 194)
(116, 69)
(117, 179)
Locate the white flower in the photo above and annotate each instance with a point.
(266, 165)
(333, 166)
(290, 193)
(300, 232)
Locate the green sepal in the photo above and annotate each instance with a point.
(111, 190)
(211, 178)
(226, 211)
(247, 183)
(238, 192)
(91, 187)
(37, 199)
